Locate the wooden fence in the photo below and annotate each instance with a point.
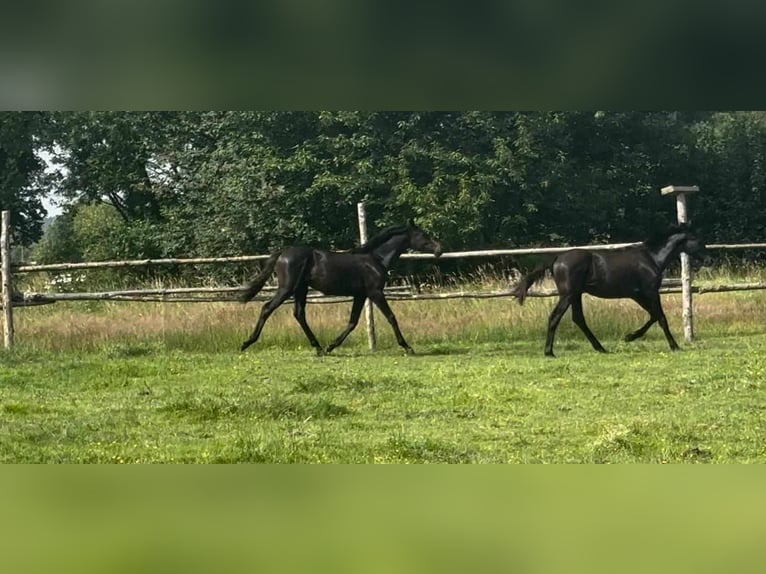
(210, 294)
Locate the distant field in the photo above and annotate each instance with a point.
(145, 382)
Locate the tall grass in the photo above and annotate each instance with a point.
(222, 326)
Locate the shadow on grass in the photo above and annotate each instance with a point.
(355, 383)
(133, 349)
(273, 407)
(440, 350)
(425, 450)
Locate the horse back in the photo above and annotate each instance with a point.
(292, 265)
(342, 273)
(606, 273)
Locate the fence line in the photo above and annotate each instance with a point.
(223, 294)
(398, 293)
(395, 294)
(247, 258)
(724, 246)
(135, 263)
(172, 294)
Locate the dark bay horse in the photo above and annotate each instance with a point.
(360, 273)
(633, 272)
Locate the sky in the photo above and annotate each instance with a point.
(49, 201)
(52, 209)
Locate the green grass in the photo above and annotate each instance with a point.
(127, 383)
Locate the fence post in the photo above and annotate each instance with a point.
(7, 289)
(368, 313)
(680, 192)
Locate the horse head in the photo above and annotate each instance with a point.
(420, 241)
(692, 242)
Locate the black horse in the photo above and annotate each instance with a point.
(633, 272)
(360, 272)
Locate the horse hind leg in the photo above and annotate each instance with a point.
(299, 313)
(640, 332)
(268, 308)
(553, 323)
(579, 319)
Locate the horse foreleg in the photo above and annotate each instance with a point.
(268, 308)
(653, 306)
(380, 301)
(649, 304)
(553, 323)
(660, 314)
(356, 311)
(579, 319)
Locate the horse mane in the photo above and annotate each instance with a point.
(379, 239)
(658, 238)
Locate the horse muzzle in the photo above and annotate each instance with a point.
(700, 258)
(438, 250)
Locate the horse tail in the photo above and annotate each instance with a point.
(257, 283)
(537, 274)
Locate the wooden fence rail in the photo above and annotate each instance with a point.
(136, 263)
(395, 294)
(247, 258)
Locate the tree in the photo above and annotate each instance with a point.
(97, 232)
(112, 157)
(730, 166)
(58, 243)
(227, 183)
(22, 173)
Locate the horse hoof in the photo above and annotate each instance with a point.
(550, 354)
(321, 352)
(602, 350)
(410, 352)
(243, 346)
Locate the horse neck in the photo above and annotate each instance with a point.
(390, 251)
(664, 254)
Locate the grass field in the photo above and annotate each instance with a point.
(146, 382)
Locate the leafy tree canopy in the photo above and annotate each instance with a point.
(228, 183)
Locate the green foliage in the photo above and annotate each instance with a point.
(111, 156)
(22, 173)
(733, 146)
(58, 243)
(228, 183)
(97, 232)
(103, 235)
